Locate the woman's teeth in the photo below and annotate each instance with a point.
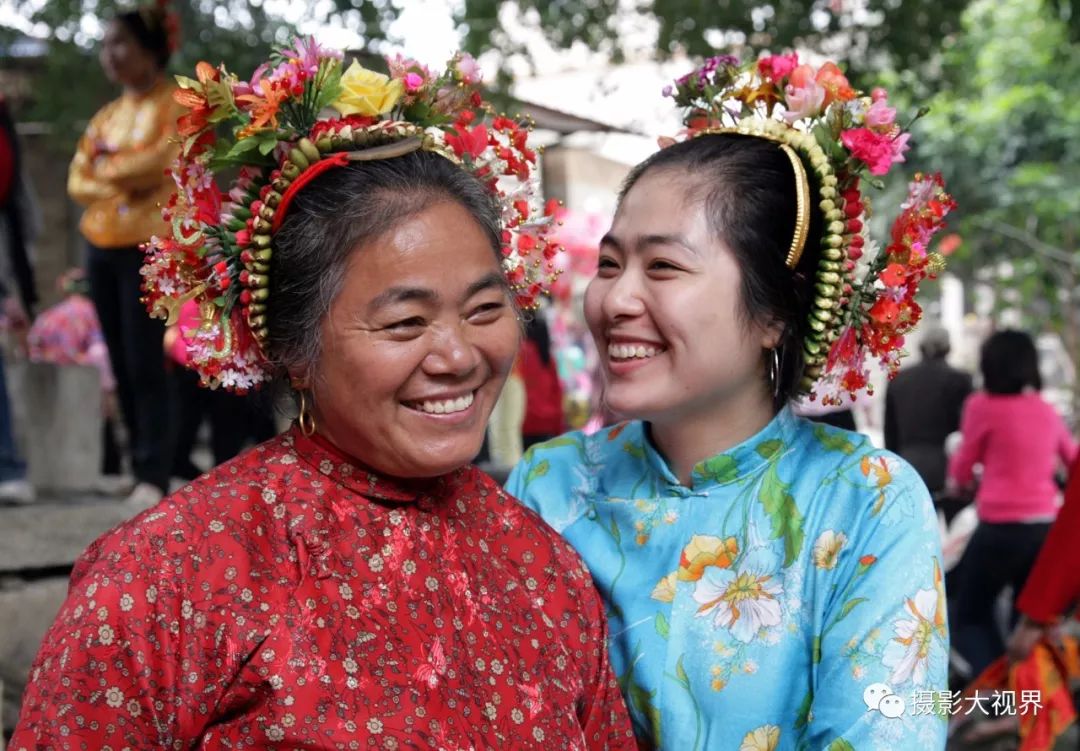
(446, 406)
(630, 351)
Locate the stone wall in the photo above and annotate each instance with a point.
(59, 246)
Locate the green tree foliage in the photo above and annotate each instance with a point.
(867, 34)
(1005, 131)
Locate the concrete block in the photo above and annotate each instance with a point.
(47, 535)
(57, 412)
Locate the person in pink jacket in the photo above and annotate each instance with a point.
(1020, 441)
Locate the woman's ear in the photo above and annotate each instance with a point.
(300, 379)
(772, 334)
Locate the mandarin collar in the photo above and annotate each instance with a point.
(728, 466)
(352, 474)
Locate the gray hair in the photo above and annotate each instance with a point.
(340, 211)
(935, 342)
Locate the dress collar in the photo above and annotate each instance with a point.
(728, 466)
(329, 460)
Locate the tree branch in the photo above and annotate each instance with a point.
(1015, 233)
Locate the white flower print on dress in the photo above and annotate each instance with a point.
(746, 597)
(908, 652)
(827, 549)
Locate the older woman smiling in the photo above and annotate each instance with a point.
(354, 582)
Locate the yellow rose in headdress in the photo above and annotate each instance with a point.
(365, 92)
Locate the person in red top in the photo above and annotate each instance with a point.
(544, 415)
(1053, 586)
(354, 582)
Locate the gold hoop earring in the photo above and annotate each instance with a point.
(305, 419)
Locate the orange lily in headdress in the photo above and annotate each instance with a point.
(196, 99)
(264, 109)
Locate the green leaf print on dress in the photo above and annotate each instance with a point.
(783, 513)
(639, 698)
(719, 469)
(539, 470)
(834, 440)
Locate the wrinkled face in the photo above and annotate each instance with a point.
(416, 347)
(125, 61)
(665, 309)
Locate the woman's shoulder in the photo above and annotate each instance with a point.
(848, 465)
(543, 543)
(565, 459)
(577, 446)
(555, 476)
(232, 513)
(826, 445)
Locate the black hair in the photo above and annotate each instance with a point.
(1009, 363)
(147, 26)
(337, 213)
(747, 185)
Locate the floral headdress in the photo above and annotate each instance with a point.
(864, 298)
(299, 116)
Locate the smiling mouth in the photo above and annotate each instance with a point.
(443, 406)
(625, 352)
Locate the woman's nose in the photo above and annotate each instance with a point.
(622, 297)
(452, 352)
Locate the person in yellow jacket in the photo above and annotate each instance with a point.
(119, 176)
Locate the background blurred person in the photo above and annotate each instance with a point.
(503, 443)
(119, 175)
(1020, 441)
(234, 419)
(19, 225)
(68, 333)
(544, 415)
(922, 408)
(1052, 591)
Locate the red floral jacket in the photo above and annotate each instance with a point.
(292, 599)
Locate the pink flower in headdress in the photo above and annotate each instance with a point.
(803, 101)
(877, 150)
(880, 115)
(776, 67)
(307, 54)
(403, 67)
(413, 82)
(238, 194)
(899, 146)
(468, 68)
(250, 87)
